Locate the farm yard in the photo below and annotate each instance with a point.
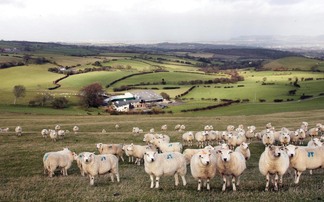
(282, 88)
(22, 175)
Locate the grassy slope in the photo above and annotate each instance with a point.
(22, 173)
(295, 63)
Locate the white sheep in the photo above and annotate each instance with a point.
(78, 159)
(284, 138)
(57, 127)
(148, 137)
(164, 127)
(250, 133)
(273, 161)
(61, 134)
(230, 128)
(302, 158)
(165, 164)
(44, 133)
(94, 165)
(182, 128)
(115, 149)
(75, 129)
(244, 149)
(136, 151)
(230, 164)
(53, 135)
(130, 157)
(188, 138)
(117, 126)
(103, 131)
(211, 137)
(315, 142)
(169, 147)
(18, 130)
(232, 140)
(4, 130)
(152, 130)
(203, 167)
(61, 159)
(313, 132)
(188, 153)
(177, 127)
(200, 137)
(268, 138)
(304, 126)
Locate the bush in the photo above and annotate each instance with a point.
(60, 103)
(278, 100)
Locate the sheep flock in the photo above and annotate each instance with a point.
(205, 155)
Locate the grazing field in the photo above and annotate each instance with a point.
(22, 176)
(295, 63)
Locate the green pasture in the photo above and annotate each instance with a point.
(10, 58)
(295, 63)
(22, 176)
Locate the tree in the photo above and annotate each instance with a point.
(91, 95)
(165, 96)
(19, 91)
(60, 103)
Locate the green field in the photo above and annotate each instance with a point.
(296, 63)
(22, 176)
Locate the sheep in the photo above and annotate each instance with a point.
(61, 159)
(94, 165)
(269, 126)
(301, 135)
(221, 146)
(103, 131)
(232, 139)
(240, 138)
(57, 127)
(53, 135)
(244, 149)
(273, 161)
(250, 133)
(230, 163)
(268, 138)
(164, 127)
(148, 137)
(302, 158)
(203, 167)
(165, 138)
(61, 134)
(169, 147)
(284, 138)
(152, 130)
(137, 151)
(18, 130)
(5, 130)
(165, 164)
(115, 149)
(44, 133)
(315, 142)
(78, 159)
(188, 153)
(304, 126)
(117, 127)
(75, 129)
(224, 135)
(208, 128)
(182, 128)
(200, 137)
(177, 127)
(211, 137)
(188, 138)
(230, 128)
(313, 132)
(130, 157)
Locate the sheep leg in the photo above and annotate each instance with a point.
(233, 183)
(199, 185)
(152, 181)
(297, 176)
(176, 179)
(228, 181)
(238, 181)
(122, 158)
(208, 185)
(112, 177)
(224, 183)
(184, 182)
(311, 172)
(157, 182)
(267, 182)
(117, 176)
(280, 180)
(91, 179)
(276, 182)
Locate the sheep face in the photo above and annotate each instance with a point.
(245, 145)
(225, 154)
(204, 157)
(88, 157)
(275, 151)
(150, 156)
(291, 150)
(98, 145)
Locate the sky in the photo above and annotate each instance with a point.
(151, 21)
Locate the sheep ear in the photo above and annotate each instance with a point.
(296, 147)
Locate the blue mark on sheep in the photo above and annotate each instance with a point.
(310, 154)
(103, 158)
(170, 145)
(169, 156)
(45, 157)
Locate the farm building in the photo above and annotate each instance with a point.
(148, 96)
(126, 96)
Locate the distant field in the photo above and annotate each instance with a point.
(296, 63)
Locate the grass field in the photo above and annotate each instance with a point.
(295, 63)
(22, 176)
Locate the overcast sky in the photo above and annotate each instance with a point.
(135, 21)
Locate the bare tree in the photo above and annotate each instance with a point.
(91, 95)
(19, 91)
